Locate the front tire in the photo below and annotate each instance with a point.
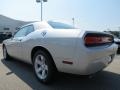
(5, 54)
(43, 67)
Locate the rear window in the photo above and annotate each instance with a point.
(59, 25)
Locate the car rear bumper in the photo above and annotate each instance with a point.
(89, 61)
(98, 64)
(95, 60)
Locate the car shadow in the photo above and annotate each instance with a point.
(102, 81)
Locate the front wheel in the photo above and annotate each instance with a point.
(43, 67)
(5, 54)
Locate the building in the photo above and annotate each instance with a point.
(10, 26)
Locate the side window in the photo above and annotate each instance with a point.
(24, 31)
(30, 29)
(21, 33)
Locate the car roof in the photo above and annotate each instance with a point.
(43, 23)
(37, 23)
(33, 23)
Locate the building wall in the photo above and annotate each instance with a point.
(8, 25)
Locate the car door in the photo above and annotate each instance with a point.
(14, 44)
(24, 45)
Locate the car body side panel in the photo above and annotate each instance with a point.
(13, 46)
(62, 45)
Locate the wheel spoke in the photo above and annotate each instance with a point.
(43, 73)
(39, 69)
(39, 62)
(42, 59)
(46, 67)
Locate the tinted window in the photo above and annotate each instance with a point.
(24, 31)
(59, 25)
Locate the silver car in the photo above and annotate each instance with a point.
(55, 46)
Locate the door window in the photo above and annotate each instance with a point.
(30, 29)
(24, 31)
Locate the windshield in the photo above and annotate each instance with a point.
(59, 25)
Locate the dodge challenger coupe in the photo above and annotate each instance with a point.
(52, 46)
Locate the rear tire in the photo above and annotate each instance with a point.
(43, 67)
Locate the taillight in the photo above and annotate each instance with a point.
(97, 39)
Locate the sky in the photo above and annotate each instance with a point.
(88, 14)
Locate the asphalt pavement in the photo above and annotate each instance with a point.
(16, 75)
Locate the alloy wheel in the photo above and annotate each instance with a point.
(41, 68)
